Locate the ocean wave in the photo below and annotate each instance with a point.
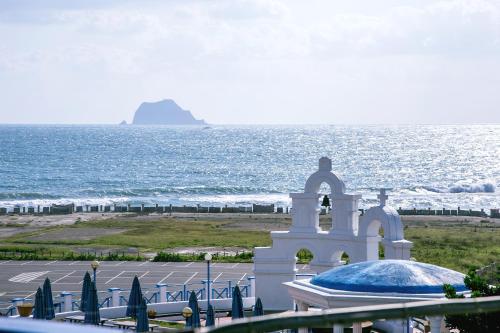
(178, 190)
(463, 188)
(473, 188)
(27, 196)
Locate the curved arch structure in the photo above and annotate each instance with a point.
(324, 175)
(277, 264)
(381, 216)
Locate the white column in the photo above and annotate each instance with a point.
(305, 213)
(251, 279)
(345, 214)
(337, 328)
(436, 324)
(115, 296)
(357, 328)
(301, 306)
(162, 289)
(68, 301)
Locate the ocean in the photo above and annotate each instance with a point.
(421, 166)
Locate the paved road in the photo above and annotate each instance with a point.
(22, 278)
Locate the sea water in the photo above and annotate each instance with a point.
(421, 166)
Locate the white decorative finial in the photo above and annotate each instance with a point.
(325, 164)
(382, 197)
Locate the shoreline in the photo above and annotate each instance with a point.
(25, 220)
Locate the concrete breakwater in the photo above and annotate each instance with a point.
(254, 209)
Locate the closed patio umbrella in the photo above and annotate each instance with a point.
(210, 316)
(134, 298)
(39, 311)
(194, 320)
(48, 301)
(258, 310)
(142, 324)
(237, 306)
(85, 291)
(92, 315)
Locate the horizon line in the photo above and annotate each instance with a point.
(256, 124)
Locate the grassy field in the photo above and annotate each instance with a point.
(456, 245)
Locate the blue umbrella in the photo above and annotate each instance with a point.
(258, 310)
(210, 316)
(194, 320)
(92, 315)
(237, 306)
(142, 324)
(85, 291)
(48, 301)
(39, 311)
(134, 298)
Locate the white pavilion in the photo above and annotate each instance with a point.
(366, 280)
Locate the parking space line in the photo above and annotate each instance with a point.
(189, 264)
(114, 277)
(235, 265)
(27, 277)
(25, 263)
(140, 277)
(65, 276)
(166, 277)
(51, 262)
(1, 263)
(242, 277)
(121, 262)
(192, 276)
(73, 263)
(144, 263)
(218, 276)
(166, 264)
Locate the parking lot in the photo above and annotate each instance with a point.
(22, 278)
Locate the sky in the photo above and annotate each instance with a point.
(251, 62)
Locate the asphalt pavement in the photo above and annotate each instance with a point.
(22, 278)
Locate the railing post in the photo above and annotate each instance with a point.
(15, 303)
(204, 294)
(357, 328)
(162, 291)
(115, 296)
(436, 322)
(301, 306)
(184, 293)
(229, 290)
(251, 281)
(67, 298)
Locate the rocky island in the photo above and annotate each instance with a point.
(165, 112)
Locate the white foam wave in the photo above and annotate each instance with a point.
(77, 201)
(473, 188)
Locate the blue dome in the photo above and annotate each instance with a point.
(390, 276)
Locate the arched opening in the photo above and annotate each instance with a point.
(325, 205)
(304, 256)
(381, 247)
(344, 258)
(341, 258)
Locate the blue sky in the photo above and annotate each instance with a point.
(244, 62)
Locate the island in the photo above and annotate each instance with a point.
(165, 112)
